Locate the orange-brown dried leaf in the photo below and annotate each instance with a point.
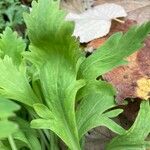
(97, 42)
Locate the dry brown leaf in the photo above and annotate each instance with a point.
(96, 43)
(98, 138)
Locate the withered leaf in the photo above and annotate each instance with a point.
(143, 88)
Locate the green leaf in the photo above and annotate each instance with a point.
(57, 56)
(14, 83)
(135, 137)
(15, 13)
(114, 51)
(7, 128)
(43, 111)
(50, 35)
(27, 135)
(64, 116)
(3, 147)
(12, 45)
(113, 113)
(7, 108)
(95, 86)
(62, 68)
(91, 110)
(12, 10)
(41, 123)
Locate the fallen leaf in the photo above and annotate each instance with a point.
(95, 22)
(138, 10)
(98, 137)
(143, 88)
(96, 43)
(141, 14)
(129, 5)
(76, 6)
(143, 58)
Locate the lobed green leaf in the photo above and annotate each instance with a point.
(91, 110)
(57, 57)
(135, 137)
(14, 83)
(12, 45)
(114, 51)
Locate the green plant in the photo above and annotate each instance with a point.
(13, 128)
(6, 110)
(11, 14)
(56, 83)
(135, 137)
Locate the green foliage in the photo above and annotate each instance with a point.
(113, 53)
(135, 137)
(91, 111)
(14, 48)
(56, 84)
(11, 13)
(17, 128)
(50, 50)
(27, 136)
(7, 109)
(14, 83)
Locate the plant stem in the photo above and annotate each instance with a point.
(47, 134)
(12, 143)
(54, 141)
(43, 138)
(82, 142)
(118, 20)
